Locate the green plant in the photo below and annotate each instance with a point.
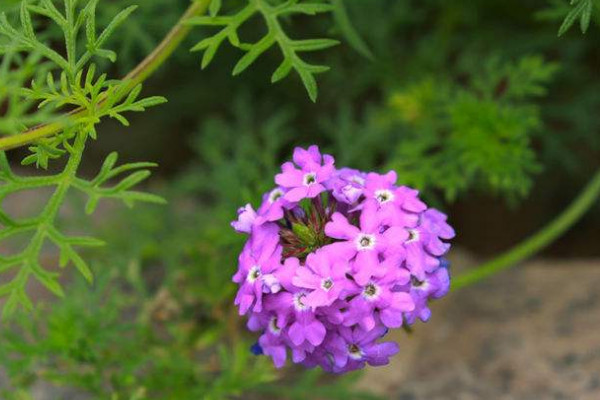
(473, 136)
(582, 10)
(275, 35)
(77, 86)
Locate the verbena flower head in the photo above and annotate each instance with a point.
(334, 259)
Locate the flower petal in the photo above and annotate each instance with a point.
(340, 228)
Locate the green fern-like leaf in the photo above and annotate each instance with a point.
(291, 49)
(582, 11)
(64, 83)
(97, 189)
(345, 26)
(97, 95)
(73, 21)
(16, 70)
(42, 229)
(476, 136)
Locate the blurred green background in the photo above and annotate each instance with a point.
(473, 102)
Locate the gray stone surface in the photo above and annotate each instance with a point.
(529, 333)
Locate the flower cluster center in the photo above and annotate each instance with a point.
(302, 231)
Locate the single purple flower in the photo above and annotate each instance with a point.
(306, 182)
(434, 222)
(365, 242)
(418, 259)
(398, 205)
(325, 275)
(347, 185)
(275, 347)
(377, 299)
(258, 261)
(421, 311)
(304, 325)
(381, 187)
(272, 207)
(433, 286)
(245, 221)
(424, 245)
(355, 346)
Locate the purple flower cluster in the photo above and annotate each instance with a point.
(334, 259)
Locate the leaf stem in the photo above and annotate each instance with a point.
(586, 199)
(138, 75)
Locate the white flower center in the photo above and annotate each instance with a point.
(326, 284)
(253, 274)
(365, 241)
(384, 195)
(299, 301)
(355, 352)
(310, 179)
(275, 330)
(418, 284)
(275, 195)
(371, 291)
(413, 235)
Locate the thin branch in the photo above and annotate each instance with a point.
(586, 199)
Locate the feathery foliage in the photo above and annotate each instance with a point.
(475, 136)
(65, 82)
(272, 15)
(581, 10)
(16, 71)
(344, 24)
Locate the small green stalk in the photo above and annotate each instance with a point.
(305, 234)
(586, 199)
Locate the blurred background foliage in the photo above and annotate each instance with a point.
(477, 103)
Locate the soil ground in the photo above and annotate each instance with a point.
(527, 334)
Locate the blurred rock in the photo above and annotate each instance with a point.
(528, 333)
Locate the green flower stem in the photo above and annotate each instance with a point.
(138, 75)
(537, 242)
